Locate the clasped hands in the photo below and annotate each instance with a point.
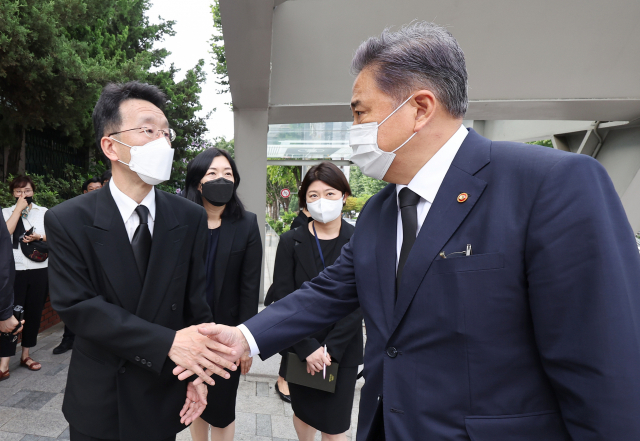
(205, 350)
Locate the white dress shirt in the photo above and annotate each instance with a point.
(35, 218)
(428, 180)
(425, 183)
(127, 208)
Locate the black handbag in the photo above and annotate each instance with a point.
(36, 251)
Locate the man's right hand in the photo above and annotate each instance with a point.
(193, 351)
(7, 326)
(230, 338)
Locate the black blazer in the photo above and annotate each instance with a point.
(7, 272)
(237, 270)
(296, 264)
(120, 384)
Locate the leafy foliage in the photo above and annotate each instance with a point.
(56, 56)
(544, 143)
(51, 191)
(217, 49)
(363, 185)
(279, 177)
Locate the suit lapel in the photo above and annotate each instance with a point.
(304, 252)
(112, 247)
(225, 242)
(386, 254)
(168, 237)
(445, 216)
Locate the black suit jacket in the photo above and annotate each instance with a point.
(237, 270)
(120, 384)
(7, 272)
(296, 264)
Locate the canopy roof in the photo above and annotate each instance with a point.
(543, 60)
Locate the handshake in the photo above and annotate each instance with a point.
(205, 350)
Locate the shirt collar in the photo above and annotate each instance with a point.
(127, 206)
(428, 180)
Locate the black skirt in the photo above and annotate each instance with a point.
(221, 400)
(327, 412)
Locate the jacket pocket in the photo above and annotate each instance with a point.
(478, 262)
(537, 426)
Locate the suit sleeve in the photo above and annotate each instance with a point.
(251, 271)
(319, 303)
(343, 332)
(197, 309)
(90, 316)
(583, 271)
(7, 273)
(283, 272)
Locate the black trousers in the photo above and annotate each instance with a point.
(77, 436)
(29, 291)
(68, 333)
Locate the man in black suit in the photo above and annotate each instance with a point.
(127, 274)
(500, 282)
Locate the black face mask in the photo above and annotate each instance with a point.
(218, 192)
(29, 199)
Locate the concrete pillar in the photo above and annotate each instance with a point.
(250, 133)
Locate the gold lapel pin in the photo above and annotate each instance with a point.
(462, 197)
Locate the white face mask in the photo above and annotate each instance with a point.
(152, 161)
(325, 210)
(363, 139)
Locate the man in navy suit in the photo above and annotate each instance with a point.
(500, 282)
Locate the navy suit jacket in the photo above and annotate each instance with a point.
(534, 337)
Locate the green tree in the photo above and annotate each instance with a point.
(279, 177)
(544, 142)
(217, 49)
(363, 185)
(55, 56)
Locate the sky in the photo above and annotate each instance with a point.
(194, 27)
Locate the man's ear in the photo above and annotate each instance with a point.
(108, 146)
(426, 104)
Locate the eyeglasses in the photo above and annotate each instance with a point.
(27, 192)
(152, 132)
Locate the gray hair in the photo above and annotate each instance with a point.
(420, 55)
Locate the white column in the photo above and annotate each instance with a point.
(250, 134)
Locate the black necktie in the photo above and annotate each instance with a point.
(141, 242)
(409, 212)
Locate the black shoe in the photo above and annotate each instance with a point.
(283, 397)
(64, 346)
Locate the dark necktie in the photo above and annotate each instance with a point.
(409, 212)
(141, 242)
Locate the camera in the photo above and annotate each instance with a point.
(18, 313)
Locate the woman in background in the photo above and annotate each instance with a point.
(32, 279)
(302, 254)
(233, 263)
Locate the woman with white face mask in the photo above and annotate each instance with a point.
(302, 254)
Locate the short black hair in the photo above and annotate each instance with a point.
(328, 173)
(106, 176)
(196, 170)
(95, 179)
(106, 115)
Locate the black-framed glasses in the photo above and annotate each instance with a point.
(152, 132)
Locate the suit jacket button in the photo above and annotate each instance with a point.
(137, 358)
(143, 361)
(174, 307)
(122, 370)
(392, 352)
(149, 364)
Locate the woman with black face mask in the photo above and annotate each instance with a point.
(25, 222)
(233, 261)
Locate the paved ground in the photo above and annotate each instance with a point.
(30, 402)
